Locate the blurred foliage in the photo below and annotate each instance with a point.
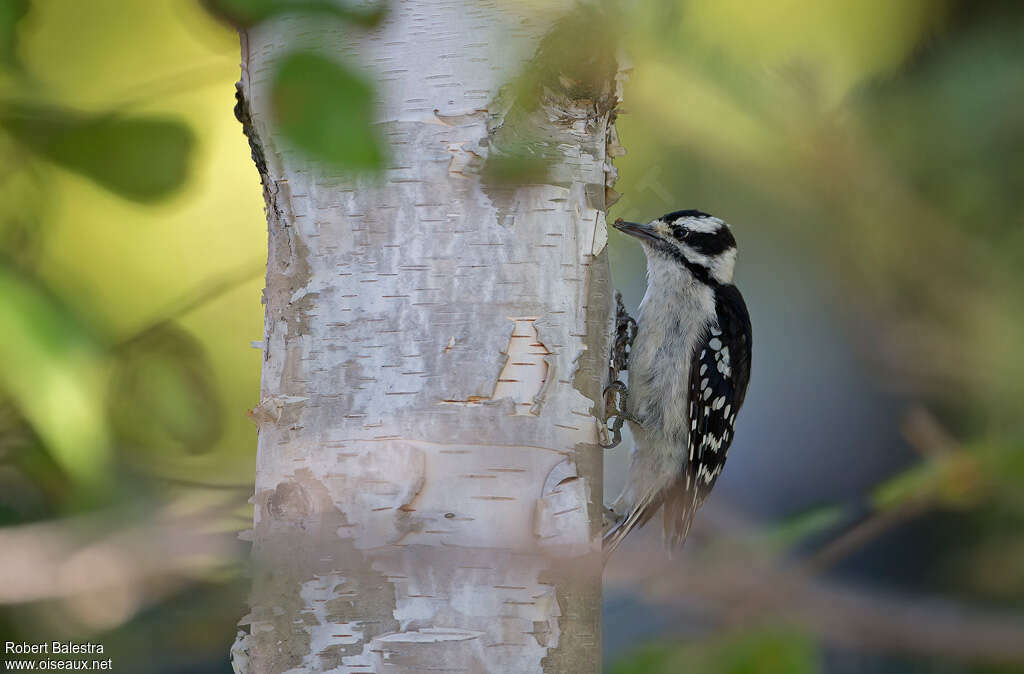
(139, 159)
(751, 652)
(163, 399)
(121, 277)
(132, 249)
(246, 13)
(23, 188)
(882, 140)
(55, 371)
(11, 13)
(565, 77)
(321, 106)
(326, 110)
(521, 162)
(951, 124)
(52, 374)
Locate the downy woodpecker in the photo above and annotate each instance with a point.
(689, 365)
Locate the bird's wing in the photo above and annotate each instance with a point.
(719, 373)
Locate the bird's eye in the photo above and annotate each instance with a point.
(680, 232)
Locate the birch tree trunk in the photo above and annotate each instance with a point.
(428, 490)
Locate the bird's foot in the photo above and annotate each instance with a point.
(618, 361)
(615, 396)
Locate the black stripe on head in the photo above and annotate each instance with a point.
(700, 272)
(706, 243)
(711, 243)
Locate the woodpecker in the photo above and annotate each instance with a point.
(689, 365)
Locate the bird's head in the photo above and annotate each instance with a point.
(701, 242)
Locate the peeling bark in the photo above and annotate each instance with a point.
(428, 489)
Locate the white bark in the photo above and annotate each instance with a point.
(428, 485)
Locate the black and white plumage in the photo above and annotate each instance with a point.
(688, 372)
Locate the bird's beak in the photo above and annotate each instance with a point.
(642, 232)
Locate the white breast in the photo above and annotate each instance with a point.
(675, 310)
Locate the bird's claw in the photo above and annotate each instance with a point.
(614, 405)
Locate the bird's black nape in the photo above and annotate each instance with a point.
(689, 213)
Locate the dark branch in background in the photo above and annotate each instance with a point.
(195, 299)
(925, 434)
(861, 534)
(740, 583)
(166, 86)
(101, 553)
(739, 586)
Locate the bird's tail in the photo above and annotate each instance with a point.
(680, 507)
(637, 517)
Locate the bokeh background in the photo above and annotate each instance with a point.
(868, 154)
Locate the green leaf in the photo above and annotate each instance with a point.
(326, 111)
(245, 13)
(163, 400)
(518, 163)
(11, 14)
(25, 192)
(53, 374)
(803, 525)
(142, 159)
